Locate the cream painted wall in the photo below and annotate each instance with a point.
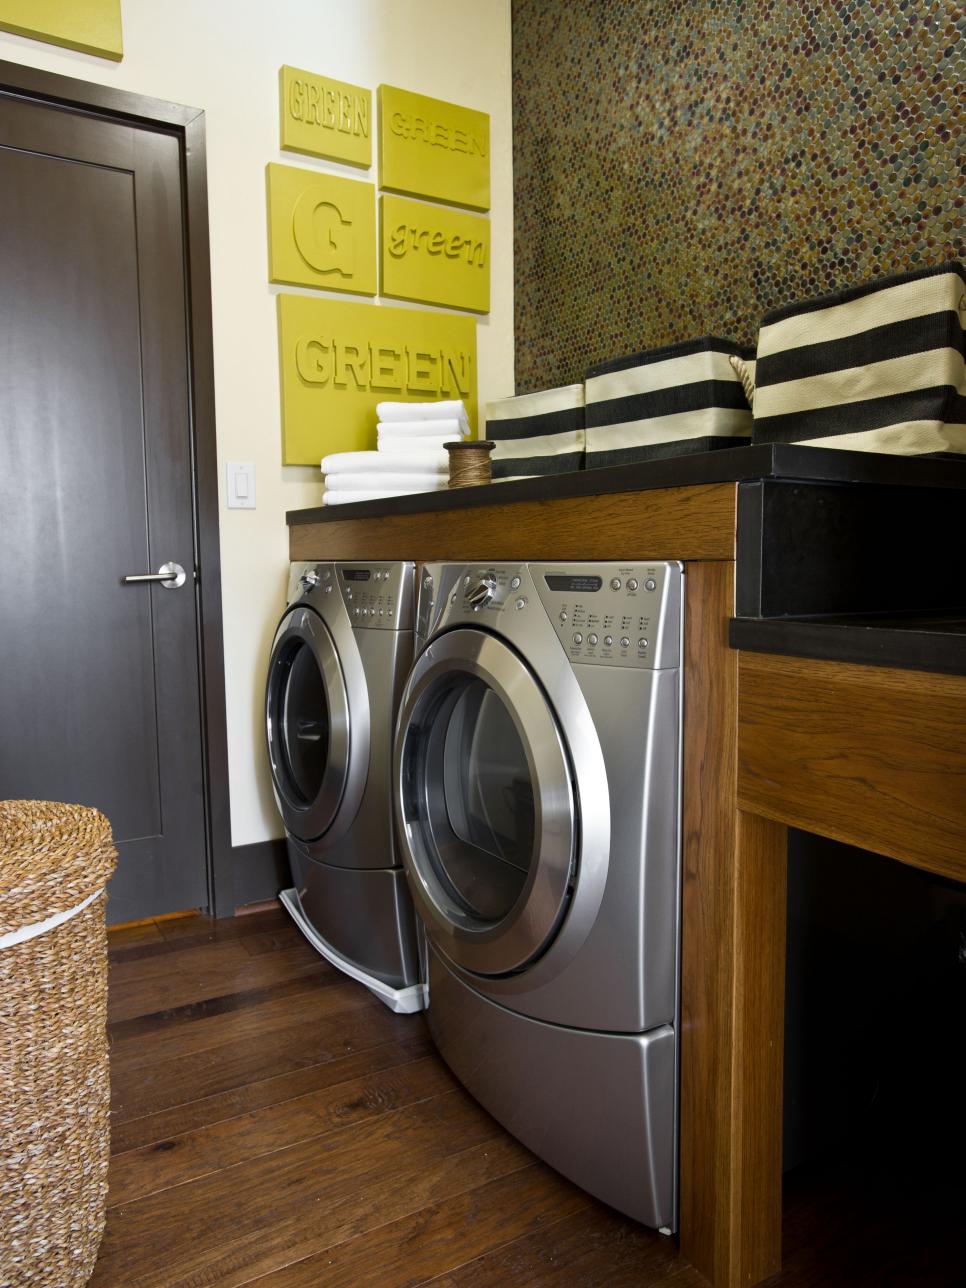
(223, 56)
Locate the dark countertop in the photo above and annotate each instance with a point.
(914, 641)
(726, 465)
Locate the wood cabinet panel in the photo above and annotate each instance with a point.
(667, 523)
(868, 755)
(733, 945)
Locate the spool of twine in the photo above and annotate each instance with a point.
(469, 461)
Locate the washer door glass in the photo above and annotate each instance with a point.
(307, 720)
(487, 804)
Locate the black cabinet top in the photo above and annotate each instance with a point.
(727, 465)
(915, 642)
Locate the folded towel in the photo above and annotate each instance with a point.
(416, 462)
(400, 450)
(371, 494)
(422, 428)
(450, 410)
(385, 481)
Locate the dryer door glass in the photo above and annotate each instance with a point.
(487, 804)
(307, 721)
(483, 819)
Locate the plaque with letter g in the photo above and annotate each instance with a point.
(322, 230)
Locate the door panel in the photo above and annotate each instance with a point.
(100, 700)
(308, 724)
(486, 803)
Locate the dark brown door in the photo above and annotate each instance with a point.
(99, 678)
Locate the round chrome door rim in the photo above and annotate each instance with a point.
(308, 821)
(523, 933)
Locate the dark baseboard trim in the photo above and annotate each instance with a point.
(259, 871)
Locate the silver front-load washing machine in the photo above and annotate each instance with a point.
(338, 665)
(537, 781)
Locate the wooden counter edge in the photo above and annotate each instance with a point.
(872, 756)
(687, 523)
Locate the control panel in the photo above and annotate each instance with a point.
(375, 595)
(614, 614)
(603, 614)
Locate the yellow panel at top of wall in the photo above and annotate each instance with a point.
(322, 117)
(90, 26)
(431, 148)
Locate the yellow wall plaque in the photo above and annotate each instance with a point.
(321, 230)
(339, 359)
(430, 148)
(91, 26)
(434, 255)
(324, 117)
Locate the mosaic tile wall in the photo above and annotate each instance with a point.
(680, 166)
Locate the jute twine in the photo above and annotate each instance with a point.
(743, 372)
(469, 461)
(54, 1088)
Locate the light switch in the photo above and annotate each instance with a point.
(241, 485)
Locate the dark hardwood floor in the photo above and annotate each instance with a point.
(274, 1123)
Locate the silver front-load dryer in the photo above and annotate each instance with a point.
(537, 781)
(338, 665)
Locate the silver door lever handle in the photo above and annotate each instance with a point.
(170, 576)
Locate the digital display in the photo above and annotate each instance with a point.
(575, 585)
(356, 574)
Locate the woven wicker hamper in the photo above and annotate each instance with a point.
(54, 1092)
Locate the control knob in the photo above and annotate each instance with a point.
(309, 579)
(482, 593)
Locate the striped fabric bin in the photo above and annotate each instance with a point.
(878, 368)
(540, 433)
(673, 401)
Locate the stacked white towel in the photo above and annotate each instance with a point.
(410, 456)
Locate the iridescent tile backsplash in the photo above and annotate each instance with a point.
(682, 166)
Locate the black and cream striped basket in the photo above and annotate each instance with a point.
(672, 401)
(878, 368)
(541, 433)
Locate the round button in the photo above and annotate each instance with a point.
(514, 583)
(642, 643)
(466, 580)
(624, 641)
(615, 583)
(632, 583)
(348, 593)
(328, 590)
(578, 638)
(592, 640)
(428, 583)
(608, 640)
(521, 602)
(563, 616)
(650, 584)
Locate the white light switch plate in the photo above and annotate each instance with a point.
(241, 485)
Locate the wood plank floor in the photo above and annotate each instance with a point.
(275, 1124)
